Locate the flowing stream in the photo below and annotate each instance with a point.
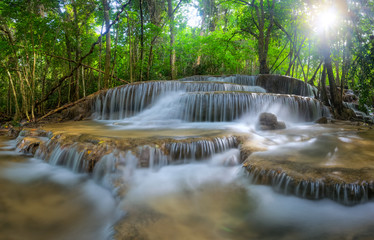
(183, 178)
(41, 201)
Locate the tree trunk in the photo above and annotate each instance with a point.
(78, 48)
(33, 74)
(262, 54)
(335, 97)
(17, 114)
(141, 40)
(172, 39)
(311, 81)
(130, 47)
(83, 83)
(100, 53)
(337, 73)
(150, 60)
(114, 65)
(108, 44)
(308, 67)
(264, 34)
(324, 97)
(202, 32)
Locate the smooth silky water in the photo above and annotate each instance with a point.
(41, 201)
(207, 200)
(212, 198)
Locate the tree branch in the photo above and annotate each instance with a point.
(79, 63)
(86, 66)
(276, 60)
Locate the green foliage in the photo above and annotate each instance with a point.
(41, 41)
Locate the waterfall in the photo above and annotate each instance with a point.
(229, 106)
(237, 79)
(152, 157)
(358, 113)
(204, 103)
(69, 157)
(271, 83)
(126, 101)
(344, 193)
(200, 149)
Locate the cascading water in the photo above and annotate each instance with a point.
(201, 148)
(162, 146)
(202, 101)
(271, 83)
(122, 102)
(222, 106)
(43, 201)
(238, 79)
(69, 158)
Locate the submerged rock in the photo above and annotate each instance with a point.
(268, 121)
(322, 120)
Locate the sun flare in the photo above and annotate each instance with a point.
(326, 20)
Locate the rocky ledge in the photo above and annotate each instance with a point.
(81, 152)
(336, 166)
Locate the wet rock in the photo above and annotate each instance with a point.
(346, 114)
(281, 125)
(3, 132)
(29, 145)
(250, 146)
(284, 85)
(89, 149)
(322, 120)
(268, 121)
(80, 117)
(314, 183)
(328, 167)
(13, 133)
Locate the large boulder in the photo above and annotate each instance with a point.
(268, 121)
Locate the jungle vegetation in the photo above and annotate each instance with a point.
(54, 52)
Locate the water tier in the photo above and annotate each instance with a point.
(271, 83)
(209, 106)
(82, 152)
(127, 100)
(327, 162)
(230, 106)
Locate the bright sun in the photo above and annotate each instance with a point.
(326, 20)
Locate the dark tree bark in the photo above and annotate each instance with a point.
(324, 97)
(335, 97)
